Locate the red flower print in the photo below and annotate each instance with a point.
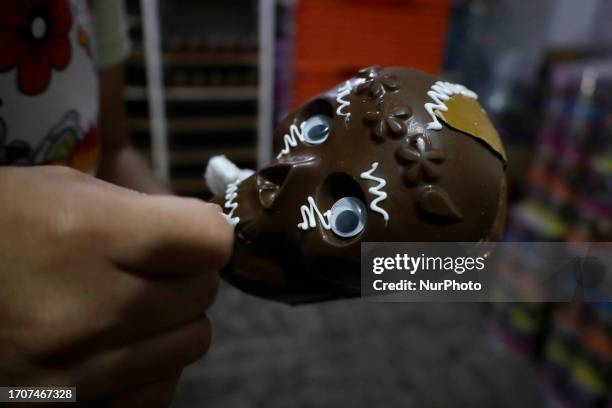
(34, 39)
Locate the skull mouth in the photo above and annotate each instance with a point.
(241, 213)
(231, 195)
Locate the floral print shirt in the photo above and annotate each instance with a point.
(49, 83)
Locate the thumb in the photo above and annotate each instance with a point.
(170, 235)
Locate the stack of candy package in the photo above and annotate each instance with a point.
(568, 198)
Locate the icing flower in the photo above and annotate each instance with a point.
(34, 39)
(391, 124)
(375, 85)
(420, 162)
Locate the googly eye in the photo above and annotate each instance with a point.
(316, 129)
(348, 217)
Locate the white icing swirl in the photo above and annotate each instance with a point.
(439, 93)
(291, 139)
(343, 92)
(377, 191)
(309, 212)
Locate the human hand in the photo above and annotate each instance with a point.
(101, 287)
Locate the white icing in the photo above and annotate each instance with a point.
(439, 93)
(291, 139)
(309, 212)
(377, 191)
(343, 92)
(420, 144)
(230, 195)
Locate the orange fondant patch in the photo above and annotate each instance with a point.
(466, 115)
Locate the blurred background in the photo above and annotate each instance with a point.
(211, 77)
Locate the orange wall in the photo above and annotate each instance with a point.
(334, 38)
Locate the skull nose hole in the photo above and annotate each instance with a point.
(269, 182)
(337, 186)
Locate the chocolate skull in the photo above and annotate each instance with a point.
(390, 155)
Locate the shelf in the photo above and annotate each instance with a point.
(200, 157)
(210, 82)
(134, 22)
(196, 94)
(204, 59)
(188, 125)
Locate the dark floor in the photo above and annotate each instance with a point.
(352, 353)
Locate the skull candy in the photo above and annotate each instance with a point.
(390, 155)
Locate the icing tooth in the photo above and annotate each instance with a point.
(377, 191)
(231, 193)
(439, 93)
(309, 212)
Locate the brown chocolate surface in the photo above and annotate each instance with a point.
(441, 185)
